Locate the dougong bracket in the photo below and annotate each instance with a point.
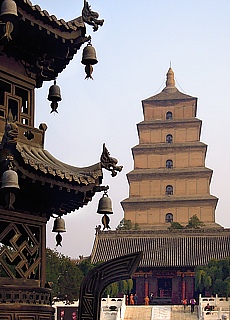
(90, 17)
(109, 163)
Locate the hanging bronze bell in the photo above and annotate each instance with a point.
(59, 225)
(54, 93)
(54, 96)
(10, 179)
(8, 8)
(105, 205)
(89, 55)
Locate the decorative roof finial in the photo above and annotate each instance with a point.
(170, 81)
(109, 163)
(91, 17)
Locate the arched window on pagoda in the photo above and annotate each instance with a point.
(169, 164)
(169, 217)
(169, 190)
(169, 138)
(169, 115)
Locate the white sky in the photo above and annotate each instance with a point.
(134, 49)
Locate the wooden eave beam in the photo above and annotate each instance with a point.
(69, 34)
(53, 182)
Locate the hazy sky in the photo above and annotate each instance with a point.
(134, 49)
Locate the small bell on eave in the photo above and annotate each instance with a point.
(89, 59)
(59, 226)
(8, 10)
(10, 179)
(105, 207)
(9, 187)
(54, 96)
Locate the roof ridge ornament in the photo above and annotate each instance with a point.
(10, 136)
(109, 163)
(91, 17)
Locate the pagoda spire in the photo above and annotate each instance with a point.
(170, 81)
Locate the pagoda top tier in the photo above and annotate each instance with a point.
(170, 92)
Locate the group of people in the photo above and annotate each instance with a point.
(192, 303)
(132, 299)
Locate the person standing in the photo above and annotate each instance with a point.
(135, 299)
(146, 300)
(185, 302)
(151, 298)
(192, 302)
(131, 300)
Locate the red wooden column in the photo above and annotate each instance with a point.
(146, 286)
(183, 288)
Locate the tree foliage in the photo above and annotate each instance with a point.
(214, 278)
(121, 287)
(175, 225)
(64, 275)
(127, 225)
(194, 223)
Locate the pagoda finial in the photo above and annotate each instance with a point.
(170, 82)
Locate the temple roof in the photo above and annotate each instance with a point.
(41, 43)
(170, 92)
(187, 248)
(41, 160)
(46, 185)
(43, 15)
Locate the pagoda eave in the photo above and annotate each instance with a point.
(192, 201)
(156, 174)
(168, 147)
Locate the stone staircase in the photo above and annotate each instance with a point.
(138, 313)
(177, 313)
(159, 313)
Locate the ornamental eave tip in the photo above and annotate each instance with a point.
(91, 17)
(109, 163)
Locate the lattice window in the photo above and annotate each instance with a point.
(16, 98)
(20, 252)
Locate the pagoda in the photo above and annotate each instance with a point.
(168, 187)
(35, 186)
(170, 182)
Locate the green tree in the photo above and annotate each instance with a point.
(194, 223)
(127, 225)
(69, 280)
(64, 275)
(175, 225)
(121, 287)
(85, 266)
(52, 269)
(214, 278)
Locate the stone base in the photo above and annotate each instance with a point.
(12, 311)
